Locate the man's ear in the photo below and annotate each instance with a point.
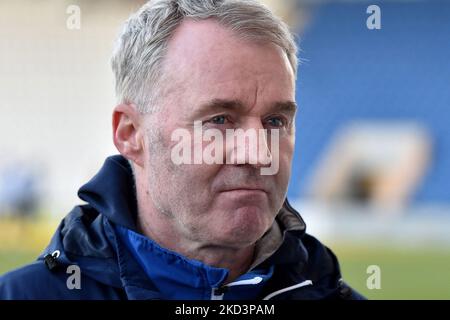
(127, 133)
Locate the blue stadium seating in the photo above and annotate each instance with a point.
(401, 72)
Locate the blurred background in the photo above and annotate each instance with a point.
(370, 173)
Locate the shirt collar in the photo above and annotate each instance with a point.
(178, 277)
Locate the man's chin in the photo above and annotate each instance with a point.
(245, 225)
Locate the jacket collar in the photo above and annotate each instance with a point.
(178, 277)
(112, 192)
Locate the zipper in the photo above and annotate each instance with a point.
(51, 260)
(217, 293)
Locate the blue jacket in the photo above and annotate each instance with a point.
(301, 268)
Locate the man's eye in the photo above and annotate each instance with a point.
(218, 120)
(277, 122)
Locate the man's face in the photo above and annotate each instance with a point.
(214, 77)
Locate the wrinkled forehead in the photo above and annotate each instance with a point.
(207, 61)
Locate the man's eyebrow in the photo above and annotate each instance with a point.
(216, 105)
(286, 106)
(235, 105)
(221, 104)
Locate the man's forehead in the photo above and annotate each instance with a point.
(209, 64)
(198, 36)
(207, 43)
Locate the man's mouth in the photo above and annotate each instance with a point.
(245, 189)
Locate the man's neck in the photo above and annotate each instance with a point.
(236, 260)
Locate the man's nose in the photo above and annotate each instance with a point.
(251, 145)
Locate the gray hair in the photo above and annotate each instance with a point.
(140, 49)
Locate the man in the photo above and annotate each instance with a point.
(155, 227)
